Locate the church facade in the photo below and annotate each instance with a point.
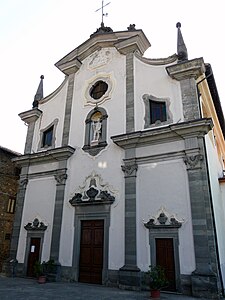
(123, 169)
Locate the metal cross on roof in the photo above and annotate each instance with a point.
(103, 15)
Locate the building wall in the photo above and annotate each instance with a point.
(8, 188)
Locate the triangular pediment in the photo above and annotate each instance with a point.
(123, 41)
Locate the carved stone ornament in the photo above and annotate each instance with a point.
(92, 192)
(100, 58)
(61, 178)
(163, 219)
(36, 225)
(130, 169)
(23, 183)
(193, 161)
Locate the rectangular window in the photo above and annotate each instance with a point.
(157, 111)
(47, 137)
(11, 205)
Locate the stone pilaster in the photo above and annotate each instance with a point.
(205, 279)
(186, 73)
(60, 178)
(67, 117)
(129, 274)
(129, 92)
(30, 117)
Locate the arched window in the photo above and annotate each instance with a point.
(95, 131)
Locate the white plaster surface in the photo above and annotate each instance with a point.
(164, 184)
(39, 203)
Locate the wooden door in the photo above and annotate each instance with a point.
(91, 251)
(34, 254)
(165, 258)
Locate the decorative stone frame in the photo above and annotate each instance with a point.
(91, 212)
(54, 124)
(34, 230)
(107, 95)
(165, 230)
(147, 98)
(95, 149)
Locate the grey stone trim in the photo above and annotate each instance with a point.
(191, 106)
(35, 226)
(32, 234)
(129, 274)
(57, 218)
(174, 132)
(187, 72)
(91, 212)
(130, 168)
(130, 92)
(47, 156)
(166, 231)
(18, 216)
(44, 174)
(193, 161)
(54, 124)
(123, 41)
(67, 115)
(205, 279)
(147, 98)
(30, 117)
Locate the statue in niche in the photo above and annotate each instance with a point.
(96, 130)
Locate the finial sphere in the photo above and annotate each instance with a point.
(42, 77)
(178, 25)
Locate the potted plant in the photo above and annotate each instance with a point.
(39, 272)
(157, 280)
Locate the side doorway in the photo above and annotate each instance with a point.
(33, 256)
(165, 258)
(91, 251)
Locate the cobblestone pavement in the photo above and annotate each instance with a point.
(15, 288)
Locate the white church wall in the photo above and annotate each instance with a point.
(114, 106)
(52, 109)
(107, 165)
(218, 196)
(154, 80)
(164, 185)
(39, 203)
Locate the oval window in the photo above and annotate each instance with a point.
(98, 89)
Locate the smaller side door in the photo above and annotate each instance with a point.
(33, 256)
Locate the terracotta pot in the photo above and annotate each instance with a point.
(42, 279)
(155, 294)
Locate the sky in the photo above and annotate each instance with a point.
(35, 34)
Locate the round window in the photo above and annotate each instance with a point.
(98, 89)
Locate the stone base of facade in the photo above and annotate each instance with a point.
(205, 286)
(130, 278)
(197, 285)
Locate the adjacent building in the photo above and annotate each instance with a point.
(9, 176)
(123, 168)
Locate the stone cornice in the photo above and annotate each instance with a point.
(52, 155)
(31, 115)
(157, 61)
(124, 41)
(188, 69)
(174, 132)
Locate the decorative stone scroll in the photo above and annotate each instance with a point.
(164, 219)
(23, 183)
(92, 192)
(36, 225)
(130, 169)
(61, 178)
(193, 161)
